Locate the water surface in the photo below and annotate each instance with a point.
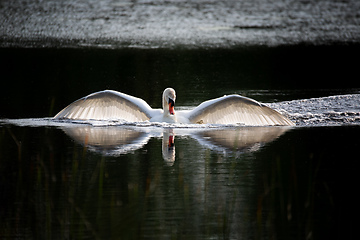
(72, 181)
(177, 23)
(111, 180)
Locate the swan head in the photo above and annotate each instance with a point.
(169, 97)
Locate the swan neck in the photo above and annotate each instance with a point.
(164, 105)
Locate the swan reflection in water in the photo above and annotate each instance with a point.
(115, 140)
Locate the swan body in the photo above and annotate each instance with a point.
(231, 109)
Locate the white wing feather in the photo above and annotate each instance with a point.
(107, 105)
(236, 109)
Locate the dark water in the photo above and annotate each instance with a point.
(61, 180)
(299, 186)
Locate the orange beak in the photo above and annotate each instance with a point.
(171, 109)
(171, 106)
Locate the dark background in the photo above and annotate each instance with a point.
(40, 82)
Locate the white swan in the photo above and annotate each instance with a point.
(231, 109)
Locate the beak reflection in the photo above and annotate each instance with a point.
(168, 146)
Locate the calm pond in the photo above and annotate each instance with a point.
(110, 180)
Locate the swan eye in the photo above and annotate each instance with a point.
(171, 102)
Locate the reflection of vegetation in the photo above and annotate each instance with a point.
(302, 184)
(76, 194)
(53, 188)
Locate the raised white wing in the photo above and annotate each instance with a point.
(236, 109)
(107, 105)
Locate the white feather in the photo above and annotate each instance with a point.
(232, 109)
